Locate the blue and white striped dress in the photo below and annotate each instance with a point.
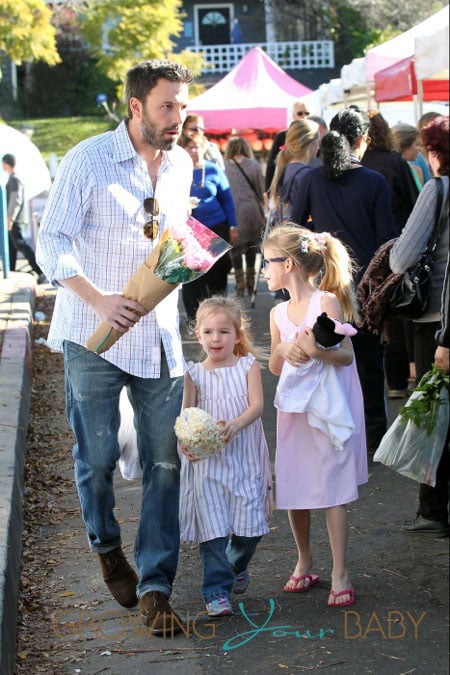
(230, 492)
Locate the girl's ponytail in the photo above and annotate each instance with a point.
(338, 275)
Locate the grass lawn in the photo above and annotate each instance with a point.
(59, 134)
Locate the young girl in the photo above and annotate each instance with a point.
(228, 493)
(311, 471)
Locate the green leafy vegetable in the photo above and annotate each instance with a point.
(421, 409)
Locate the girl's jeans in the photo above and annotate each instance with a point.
(222, 560)
(93, 388)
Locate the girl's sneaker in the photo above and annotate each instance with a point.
(241, 582)
(219, 607)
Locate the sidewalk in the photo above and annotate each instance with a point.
(399, 623)
(17, 294)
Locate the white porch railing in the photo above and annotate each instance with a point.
(288, 55)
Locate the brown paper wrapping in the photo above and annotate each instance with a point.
(144, 287)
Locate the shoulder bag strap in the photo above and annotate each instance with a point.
(439, 221)
(260, 202)
(247, 178)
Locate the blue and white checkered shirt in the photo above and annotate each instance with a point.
(93, 226)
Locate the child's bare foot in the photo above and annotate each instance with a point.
(302, 580)
(341, 594)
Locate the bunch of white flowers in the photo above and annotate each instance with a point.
(199, 432)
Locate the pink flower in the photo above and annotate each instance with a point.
(188, 251)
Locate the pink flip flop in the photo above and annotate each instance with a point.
(335, 594)
(309, 579)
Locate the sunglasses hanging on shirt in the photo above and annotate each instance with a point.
(151, 228)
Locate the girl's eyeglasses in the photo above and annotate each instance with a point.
(151, 207)
(266, 261)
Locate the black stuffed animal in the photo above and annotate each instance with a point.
(329, 332)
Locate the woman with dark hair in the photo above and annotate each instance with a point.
(246, 180)
(353, 203)
(194, 124)
(432, 514)
(215, 209)
(380, 156)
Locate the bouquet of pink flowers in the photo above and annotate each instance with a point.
(184, 253)
(188, 251)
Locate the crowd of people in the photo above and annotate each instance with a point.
(332, 197)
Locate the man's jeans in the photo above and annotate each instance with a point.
(93, 388)
(222, 559)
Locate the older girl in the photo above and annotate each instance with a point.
(311, 470)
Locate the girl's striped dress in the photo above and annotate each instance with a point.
(230, 492)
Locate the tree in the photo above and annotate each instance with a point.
(26, 32)
(354, 25)
(122, 33)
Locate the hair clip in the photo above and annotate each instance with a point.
(321, 240)
(304, 244)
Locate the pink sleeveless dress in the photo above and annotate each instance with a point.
(310, 472)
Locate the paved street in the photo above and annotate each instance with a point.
(398, 624)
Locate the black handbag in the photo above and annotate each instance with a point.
(410, 297)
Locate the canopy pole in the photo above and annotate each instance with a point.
(420, 96)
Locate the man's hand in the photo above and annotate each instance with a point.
(121, 313)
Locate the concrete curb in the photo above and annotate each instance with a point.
(17, 296)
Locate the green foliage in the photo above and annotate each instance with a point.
(26, 33)
(69, 88)
(59, 134)
(122, 34)
(422, 410)
(351, 33)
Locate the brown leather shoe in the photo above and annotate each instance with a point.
(157, 614)
(119, 576)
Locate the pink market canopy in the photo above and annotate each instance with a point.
(256, 94)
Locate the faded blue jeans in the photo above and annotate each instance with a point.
(93, 388)
(222, 559)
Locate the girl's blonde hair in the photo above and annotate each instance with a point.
(299, 136)
(232, 308)
(319, 254)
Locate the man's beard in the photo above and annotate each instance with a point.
(152, 135)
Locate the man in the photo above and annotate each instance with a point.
(299, 112)
(16, 211)
(107, 191)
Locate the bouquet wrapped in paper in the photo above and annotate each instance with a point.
(184, 254)
(198, 432)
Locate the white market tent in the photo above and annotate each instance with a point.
(432, 55)
(30, 168)
(30, 165)
(426, 44)
(403, 45)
